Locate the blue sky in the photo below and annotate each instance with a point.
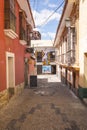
(41, 10)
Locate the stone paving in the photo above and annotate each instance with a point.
(49, 106)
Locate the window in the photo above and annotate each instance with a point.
(22, 28)
(12, 5)
(29, 34)
(39, 56)
(10, 18)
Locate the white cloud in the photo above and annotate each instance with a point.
(46, 2)
(52, 5)
(44, 34)
(50, 35)
(36, 29)
(41, 17)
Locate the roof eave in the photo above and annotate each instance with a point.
(66, 13)
(25, 5)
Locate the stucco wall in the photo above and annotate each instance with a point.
(2, 49)
(10, 45)
(82, 40)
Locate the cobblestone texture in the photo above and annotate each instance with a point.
(50, 106)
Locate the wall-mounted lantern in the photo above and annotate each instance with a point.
(68, 22)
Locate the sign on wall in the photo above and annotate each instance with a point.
(46, 69)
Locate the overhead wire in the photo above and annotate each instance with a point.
(60, 5)
(41, 25)
(52, 14)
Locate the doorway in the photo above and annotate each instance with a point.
(53, 69)
(10, 72)
(39, 69)
(85, 69)
(66, 76)
(74, 79)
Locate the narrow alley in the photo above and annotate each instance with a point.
(43, 65)
(49, 106)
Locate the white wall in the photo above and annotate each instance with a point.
(82, 38)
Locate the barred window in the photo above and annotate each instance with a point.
(12, 5)
(9, 15)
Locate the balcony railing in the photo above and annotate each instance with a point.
(70, 57)
(67, 58)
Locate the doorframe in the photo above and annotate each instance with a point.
(10, 55)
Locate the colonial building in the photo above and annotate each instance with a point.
(16, 24)
(45, 56)
(67, 45)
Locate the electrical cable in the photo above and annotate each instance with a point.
(51, 14)
(41, 25)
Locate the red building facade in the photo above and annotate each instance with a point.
(14, 36)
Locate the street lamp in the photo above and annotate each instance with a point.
(68, 22)
(68, 25)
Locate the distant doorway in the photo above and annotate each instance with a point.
(39, 69)
(53, 69)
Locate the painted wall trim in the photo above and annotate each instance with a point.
(10, 55)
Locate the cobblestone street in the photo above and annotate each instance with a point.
(49, 106)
